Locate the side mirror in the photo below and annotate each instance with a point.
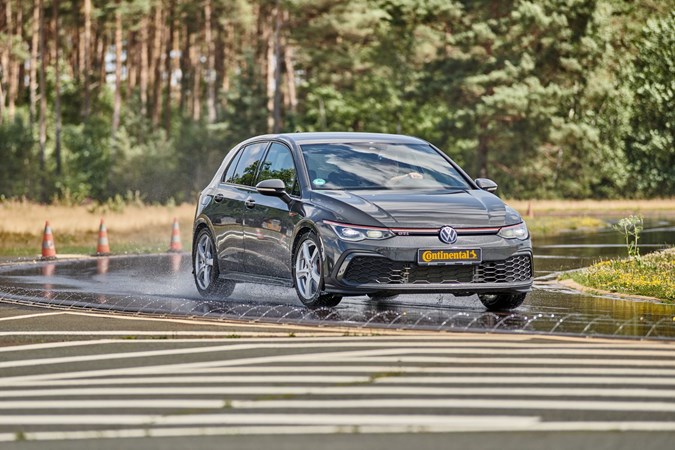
(274, 187)
(486, 184)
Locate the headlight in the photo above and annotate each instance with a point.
(359, 233)
(515, 232)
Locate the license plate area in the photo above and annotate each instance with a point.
(449, 256)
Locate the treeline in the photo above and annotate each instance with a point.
(100, 98)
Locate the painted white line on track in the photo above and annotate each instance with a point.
(542, 370)
(394, 376)
(375, 390)
(31, 316)
(429, 341)
(358, 356)
(103, 404)
(206, 379)
(239, 335)
(428, 403)
(648, 375)
(344, 429)
(474, 427)
(256, 419)
(384, 349)
(170, 368)
(553, 379)
(507, 360)
(53, 345)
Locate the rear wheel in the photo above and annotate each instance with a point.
(308, 274)
(501, 302)
(206, 271)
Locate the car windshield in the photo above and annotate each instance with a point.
(370, 165)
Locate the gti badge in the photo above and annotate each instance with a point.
(448, 235)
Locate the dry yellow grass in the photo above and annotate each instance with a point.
(596, 207)
(23, 217)
(134, 228)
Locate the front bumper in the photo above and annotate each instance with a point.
(390, 266)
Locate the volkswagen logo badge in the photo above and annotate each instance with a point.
(448, 235)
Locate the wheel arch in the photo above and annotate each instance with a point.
(200, 224)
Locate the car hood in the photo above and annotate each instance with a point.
(418, 209)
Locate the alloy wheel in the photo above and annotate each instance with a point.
(204, 262)
(308, 269)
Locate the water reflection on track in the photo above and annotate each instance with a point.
(161, 285)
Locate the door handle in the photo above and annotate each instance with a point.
(250, 203)
(219, 198)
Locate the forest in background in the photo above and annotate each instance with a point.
(142, 99)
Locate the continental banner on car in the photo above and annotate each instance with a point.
(432, 257)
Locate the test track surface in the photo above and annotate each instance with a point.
(161, 286)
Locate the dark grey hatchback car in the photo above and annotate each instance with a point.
(338, 214)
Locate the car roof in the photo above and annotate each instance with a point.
(342, 137)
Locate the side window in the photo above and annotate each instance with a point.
(279, 164)
(230, 169)
(248, 163)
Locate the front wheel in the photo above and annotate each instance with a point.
(501, 302)
(206, 271)
(308, 274)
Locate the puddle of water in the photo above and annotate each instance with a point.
(574, 250)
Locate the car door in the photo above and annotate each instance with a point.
(228, 209)
(268, 221)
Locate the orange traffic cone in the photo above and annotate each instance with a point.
(103, 247)
(176, 245)
(48, 248)
(530, 211)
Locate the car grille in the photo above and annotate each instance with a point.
(376, 270)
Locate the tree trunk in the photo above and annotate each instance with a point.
(86, 75)
(276, 113)
(43, 104)
(131, 64)
(269, 65)
(13, 86)
(184, 69)
(143, 76)
(210, 64)
(196, 86)
(158, 55)
(482, 152)
(7, 61)
(168, 65)
(117, 101)
(196, 51)
(227, 59)
(35, 41)
(101, 51)
(57, 88)
(290, 77)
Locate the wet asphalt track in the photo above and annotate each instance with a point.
(162, 285)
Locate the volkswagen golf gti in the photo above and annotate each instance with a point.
(343, 214)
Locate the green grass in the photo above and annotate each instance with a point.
(650, 275)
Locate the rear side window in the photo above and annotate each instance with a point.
(230, 169)
(279, 164)
(247, 166)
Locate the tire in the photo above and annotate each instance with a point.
(501, 302)
(382, 296)
(308, 274)
(206, 271)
